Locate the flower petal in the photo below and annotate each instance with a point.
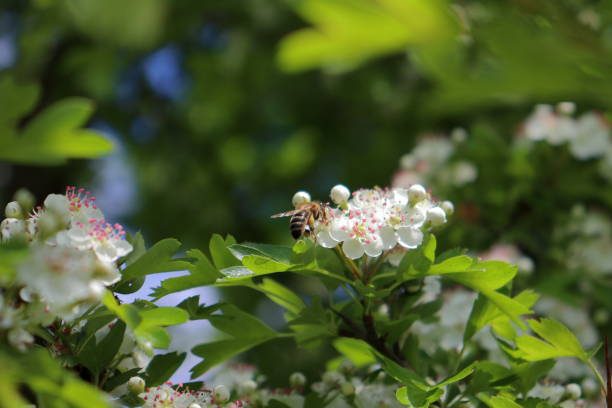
(353, 249)
(409, 237)
(325, 239)
(388, 237)
(373, 248)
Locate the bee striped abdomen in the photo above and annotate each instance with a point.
(298, 224)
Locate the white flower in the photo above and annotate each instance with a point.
(297, 379)
(340, 194)
(13, 228)
(551, 392)
(300, 197)
(463, 172)
(592, 137)
(545, 124)
(20, 338)
(106, 240)
(59, 275)
(377, 220)
(164, 396)
(13, 210)
(566, 108)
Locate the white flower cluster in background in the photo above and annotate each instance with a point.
(72, 258)
(373, 221)
(587, 136)
(431, 162)
(586, 241)
(511, 254)
(567, 396)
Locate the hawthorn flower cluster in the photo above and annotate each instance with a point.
(165, 396)
(587, 136)
(72, 258)
(373, 221)
(432, 162)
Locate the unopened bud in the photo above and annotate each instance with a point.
(436, 216)
(48, 224)
(247, 387)
(573, 391)
(448, 207)
(25, 199)
(300, 197)
(58, 205)
(340, 194)
(13, 210)
(221, 393)
(332, 378)
(297, 379)
(459, 135)
(194, 405)
(136, 385)
(347, 389)
(416, 193)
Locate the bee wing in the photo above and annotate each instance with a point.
(286, 214)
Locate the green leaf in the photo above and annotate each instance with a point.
(162, 366)
(221, 255)
(128, 313)
(458, 376)
(282, 296)
(415, 397)
(54, 136)
(240, 324)
(217, 352)
(357, 351)
(558, 341)
(16, 99)
(280, 254)
(157, 259)
(201, 273)
(155, 336)
(418, 261)
(97, 356)
(451, 265)
(498, 402)
(197, 311)
(342, 34)
(485, 312)
(120, 378)
(247, 330)
(163, 316)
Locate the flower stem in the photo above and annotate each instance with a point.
(350, 264)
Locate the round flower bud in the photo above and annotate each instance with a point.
(347, 389)
(459, 135)
(332, 378)
(136, 385)
(416, 193)
(221, 393)
(448, 207)
(48, 224)
(297, 379)
(566, 108)
(194, 405)
(300, 197)
(13, 210)
(247, 387)
(25, 200)
(436, 216)
(340, 194)
(573, 391)
(589, 386)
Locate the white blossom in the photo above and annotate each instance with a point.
(592, 137)
(13, 210)
(377, 220)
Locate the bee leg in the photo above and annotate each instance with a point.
(311, 228)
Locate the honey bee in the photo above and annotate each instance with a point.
(303, 218)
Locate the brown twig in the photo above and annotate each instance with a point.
(608, 375)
